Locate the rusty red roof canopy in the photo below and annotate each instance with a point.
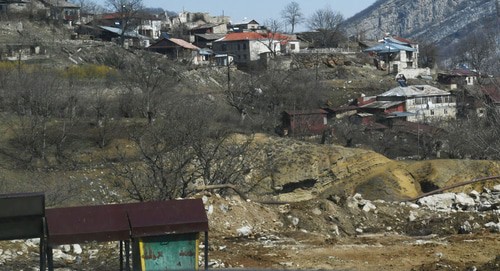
(117, 222)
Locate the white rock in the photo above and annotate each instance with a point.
(496, 188)
(369, 206)
(210, 210)
(205, 200)
(244, 231)
(77, 249)
(59, 254)
(413, 205)
(335, 229)
(438, 202)
(295, 220)
(35, 242)
(464, 200)
(316, 211)
(66, 248)
(413, 216)
(358, 230)
(495, 227)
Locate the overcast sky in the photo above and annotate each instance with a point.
(259, 10)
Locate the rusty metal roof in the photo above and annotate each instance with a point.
(168, 217)
(87, 223)
(117, 222)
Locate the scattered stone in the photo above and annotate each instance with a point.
(77, 249)
(413, 216)
(294, 220)
(494, 227)
(465, 228)
(438, 202)
(66, 248)
(210, 209)
(316, 211)
(244, 231)
(60, 255)
(369, 206)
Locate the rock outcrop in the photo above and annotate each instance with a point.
(423, 20)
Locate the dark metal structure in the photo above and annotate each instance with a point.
(22, 217)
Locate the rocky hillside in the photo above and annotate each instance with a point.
(424, 20)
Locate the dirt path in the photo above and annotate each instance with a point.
(366, 252)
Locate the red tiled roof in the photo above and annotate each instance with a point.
(243, 36)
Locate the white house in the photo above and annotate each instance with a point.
(398, 55)
(246, 47)
(425, 103)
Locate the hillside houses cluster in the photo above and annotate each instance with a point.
(201, 39)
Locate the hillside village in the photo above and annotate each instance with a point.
(205, 40)
(328, 146)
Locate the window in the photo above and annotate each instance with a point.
(292, 46)
(432, 112)
(445, 111)
(244, 46)
(239, 47)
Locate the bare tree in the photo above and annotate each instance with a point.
(478, 48)
(274, 39)
(181, 149)
(428, 53)
(327, 22)
(127, 9)
(148, 78)
(89, 7)
(292, 15)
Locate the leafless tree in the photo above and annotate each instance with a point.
(180, 150)
(477, 50)
(149, 78)
(428, 53)
(327, 22)
(34, 100)
(292, 15)
(128, 10)
(274, 38)
(89, 7)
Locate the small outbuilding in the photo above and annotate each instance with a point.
(304, 122)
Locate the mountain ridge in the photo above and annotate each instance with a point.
(439, 21)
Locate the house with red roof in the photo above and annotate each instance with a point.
(247, 47)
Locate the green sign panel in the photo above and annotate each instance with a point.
(169, 252)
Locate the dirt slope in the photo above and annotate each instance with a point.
(306, 170)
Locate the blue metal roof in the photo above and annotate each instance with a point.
(118, 31)
(388, 47)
